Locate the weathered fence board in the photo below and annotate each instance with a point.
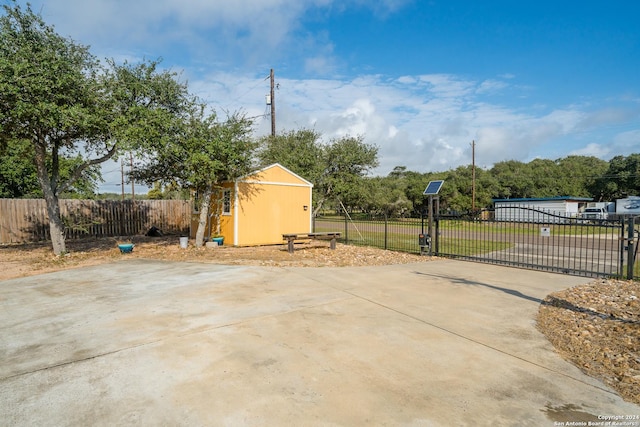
(26, 220)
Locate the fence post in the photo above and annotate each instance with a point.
(435, 239)
(346, 227)
(386, 226)
(120, 213)
(631, 252)
(622, 246)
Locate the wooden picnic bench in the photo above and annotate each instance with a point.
(292, 237)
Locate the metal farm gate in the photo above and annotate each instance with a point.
(522, 237)
(540, 240)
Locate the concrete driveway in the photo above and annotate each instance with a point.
(144, 342)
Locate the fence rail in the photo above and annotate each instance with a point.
(26, 220)
(375, 230)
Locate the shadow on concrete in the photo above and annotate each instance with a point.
(548, 301)
(486, 285)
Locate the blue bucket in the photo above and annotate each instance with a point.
(126, 248)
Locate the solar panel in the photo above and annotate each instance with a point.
(433, 188)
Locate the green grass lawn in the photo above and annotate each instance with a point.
(408, 242)
(525, 228)
(574, 229)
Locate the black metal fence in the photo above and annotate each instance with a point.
(536, 239)
(396, 234)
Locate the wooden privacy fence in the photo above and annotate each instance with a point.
(26, 220)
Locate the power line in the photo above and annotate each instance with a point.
(238, 98)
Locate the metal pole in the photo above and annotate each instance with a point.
(430, 222)
(386, 231)
(623, 246)
(630, 248)
(122, 178)
(133, 189)
(435, 240)
(346, 227)
(473, 176)
(273, 105)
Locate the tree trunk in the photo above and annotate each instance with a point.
(56, 227)
(318, 208)
(204, 215)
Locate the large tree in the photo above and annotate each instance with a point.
(17, 172)
(48, 96)
(578, 174)
(55, 94)
(386, 195)
(620, 180)
(514, 179)
(300, 151)
(336, 168)
(18, 177)
(414, 184)
(207, 152)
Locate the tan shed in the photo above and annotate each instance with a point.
(258, 208)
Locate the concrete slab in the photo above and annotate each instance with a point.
(158, 343)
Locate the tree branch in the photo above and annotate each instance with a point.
(77, 173)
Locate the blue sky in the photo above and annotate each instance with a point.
(419, 79)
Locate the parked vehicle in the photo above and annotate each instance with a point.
(595, 214)
(603, 211)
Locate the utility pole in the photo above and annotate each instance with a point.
(133, 190)
(122, 178)
(473, 176)
(273, 106)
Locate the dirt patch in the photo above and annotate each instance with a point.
(30, 259)
(596, 326)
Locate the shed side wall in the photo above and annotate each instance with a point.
(266, 211)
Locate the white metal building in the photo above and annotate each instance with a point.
(543, 209)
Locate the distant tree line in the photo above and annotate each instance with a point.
(338, 171)
(400, 192)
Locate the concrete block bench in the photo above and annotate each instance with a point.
(292, 237)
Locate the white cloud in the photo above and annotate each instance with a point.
(491, 86)
(252, 29)
(621, 144)
(247, 32)
(446, 86)
(628, 141)
(605, 116)
(425, 128)
(321, 65)
(596, 150)
(383, 8)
